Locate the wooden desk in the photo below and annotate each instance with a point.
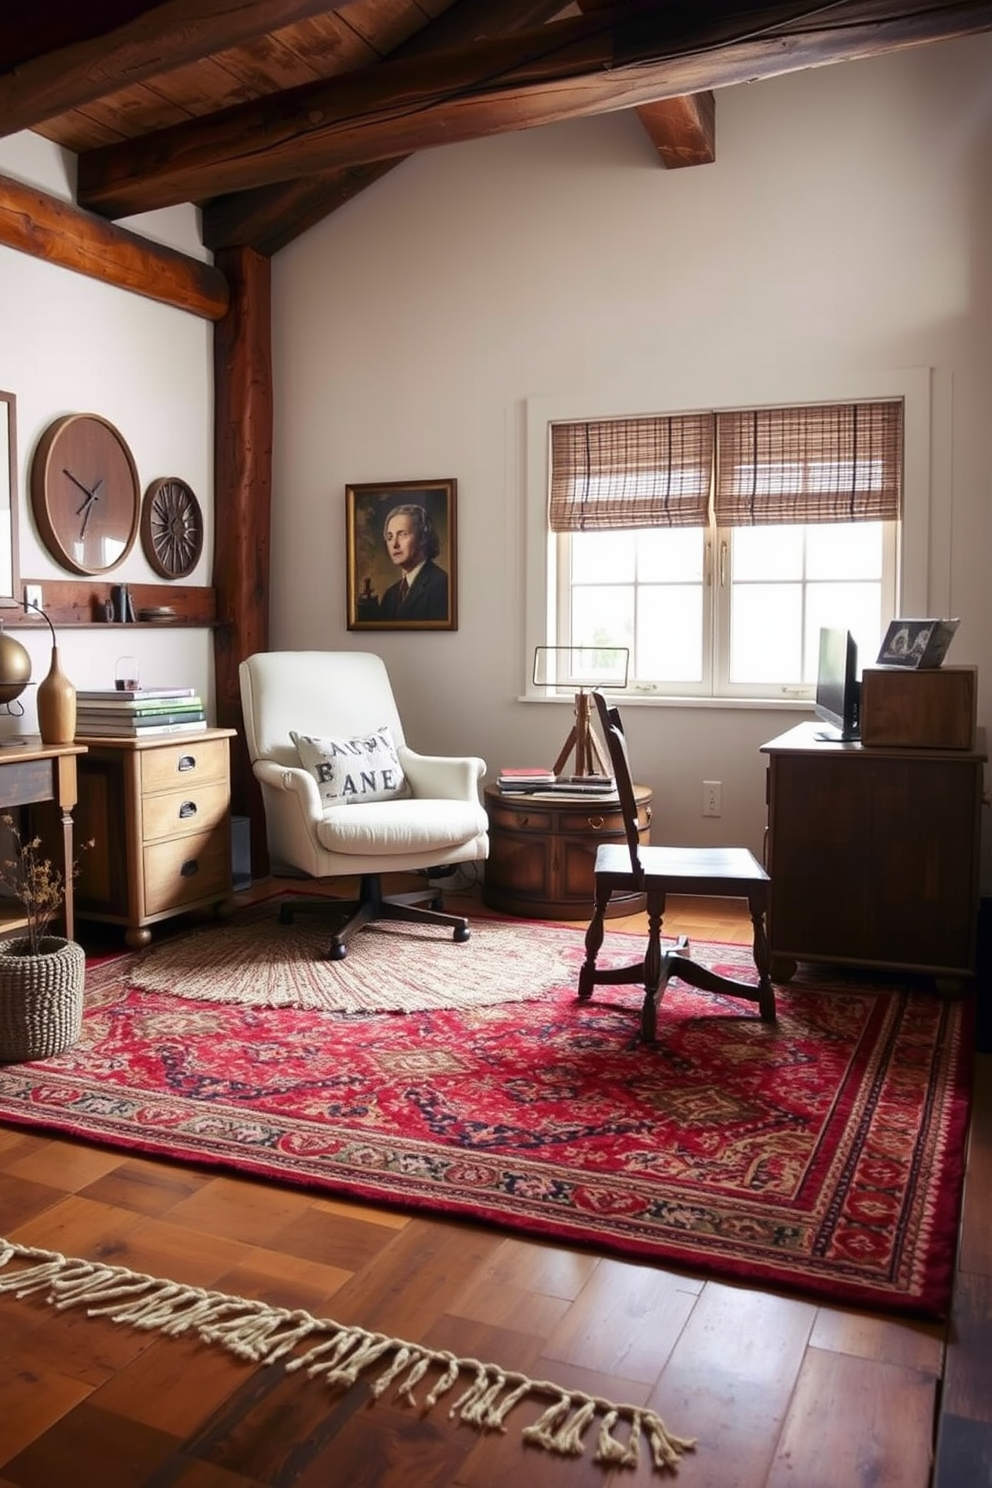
(873, 855)
(542, 852)
(31, 772)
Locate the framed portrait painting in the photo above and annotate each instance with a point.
(401, 553)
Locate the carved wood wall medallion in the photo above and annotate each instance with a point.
(171, 527)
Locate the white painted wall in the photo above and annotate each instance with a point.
(845, 231)
(69, 344)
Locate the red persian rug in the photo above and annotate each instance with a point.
(822, 1154)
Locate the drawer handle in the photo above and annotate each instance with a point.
(187, 809)
(186, 762)
(597, 823)
(189, 868)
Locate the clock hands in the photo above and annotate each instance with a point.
(85, 507)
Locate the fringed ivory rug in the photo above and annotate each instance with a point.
(389, 968)
(823, 1153)
(340, 1355)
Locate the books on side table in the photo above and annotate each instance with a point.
(139, 712)
(546, 782)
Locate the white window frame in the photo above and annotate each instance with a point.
(913, 385)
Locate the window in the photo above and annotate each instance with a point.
(715, 545)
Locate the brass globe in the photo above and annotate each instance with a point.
(15, 667)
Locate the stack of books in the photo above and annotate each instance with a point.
(540, 782)
(584, 785)
(139, 712)
(525, 778)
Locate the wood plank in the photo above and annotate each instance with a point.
(888, 1410)
(625, 1321)
(731, 1376)
(128, 1453)
(33, 222)
(618, 58)
(47, 67)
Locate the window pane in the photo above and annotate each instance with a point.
(669, 633)
(603, 615)
(767, 552)
(603, 556)
(844, 550)
(854, 607)
(671, 553)
(766, 633)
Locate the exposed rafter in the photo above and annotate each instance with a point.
(59, 54)
(617, 58)
(269, 217)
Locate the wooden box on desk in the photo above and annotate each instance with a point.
(934, 708)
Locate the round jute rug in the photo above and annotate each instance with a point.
(256, 961)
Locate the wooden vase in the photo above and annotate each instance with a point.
(56, 705)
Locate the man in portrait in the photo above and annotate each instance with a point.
(421, 591)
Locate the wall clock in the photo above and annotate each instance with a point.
(171, 527)
(85, 493)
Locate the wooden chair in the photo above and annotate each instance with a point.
(728, 872)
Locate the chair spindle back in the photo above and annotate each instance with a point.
(616, 742)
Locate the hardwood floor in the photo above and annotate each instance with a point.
(779, 1391)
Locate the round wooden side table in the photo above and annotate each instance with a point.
(542, 851)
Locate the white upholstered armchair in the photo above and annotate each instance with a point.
(343, 794)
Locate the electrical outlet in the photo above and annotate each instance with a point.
(32, 595)
(712, 797)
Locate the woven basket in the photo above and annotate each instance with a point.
(41, 998)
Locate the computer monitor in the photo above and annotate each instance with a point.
(838, 691)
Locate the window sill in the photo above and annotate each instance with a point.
(652, 700)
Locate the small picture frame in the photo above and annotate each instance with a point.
(401, 554)
(919, 644)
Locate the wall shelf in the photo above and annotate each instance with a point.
(70, 603)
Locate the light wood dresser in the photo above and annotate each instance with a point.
(159, 813)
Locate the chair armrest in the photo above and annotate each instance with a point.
(443, 777)
(288, 778)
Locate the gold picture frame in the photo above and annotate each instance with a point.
(402, 532)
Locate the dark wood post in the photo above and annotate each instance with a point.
(242, 505)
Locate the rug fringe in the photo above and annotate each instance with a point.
(260, 1334)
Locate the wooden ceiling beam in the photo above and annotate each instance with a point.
(95, 49)
(33, 222)
(683, 129)
(617, 58)
(270, 217)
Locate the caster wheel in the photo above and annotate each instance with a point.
(337, 953)
(463, 933)
(436, 903)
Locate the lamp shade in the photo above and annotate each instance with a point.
(15, 667)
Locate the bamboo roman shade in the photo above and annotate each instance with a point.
(639, 472)
(822, 463)
(818, 463)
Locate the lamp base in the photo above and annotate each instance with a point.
(590, 757)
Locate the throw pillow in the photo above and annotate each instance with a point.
(366, 768)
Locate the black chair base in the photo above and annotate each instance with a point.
(372, 904)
